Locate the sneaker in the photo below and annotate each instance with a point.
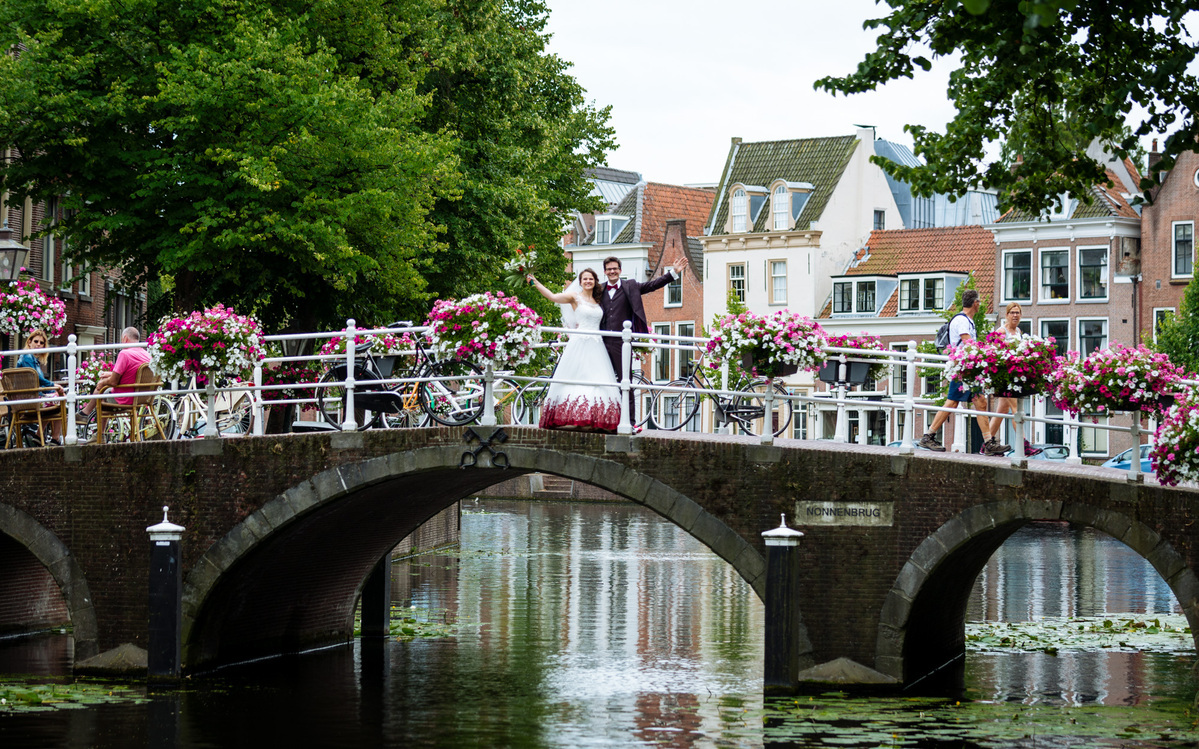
(994, 448)
(930, 442)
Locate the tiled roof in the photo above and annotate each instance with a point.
(820, 161)
(1105, 202)
(612, 175)
(651, 205)
(960, 249)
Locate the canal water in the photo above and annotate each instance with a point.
(601, 625)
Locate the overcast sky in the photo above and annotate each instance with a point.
(685, 76)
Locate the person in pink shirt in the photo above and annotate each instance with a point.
(124, 372)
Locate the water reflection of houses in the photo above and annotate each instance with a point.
(1050, 570)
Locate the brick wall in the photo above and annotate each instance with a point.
(1177, 200)
(30, 600)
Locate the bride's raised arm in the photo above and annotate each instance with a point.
(562, 298)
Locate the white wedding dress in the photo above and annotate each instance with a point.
(584, 359)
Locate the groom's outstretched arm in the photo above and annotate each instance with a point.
(674, 272)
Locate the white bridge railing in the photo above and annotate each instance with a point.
(350, 383)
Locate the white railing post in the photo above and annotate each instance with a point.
(488, 418)
(1071, 430)
(863, 423)
(959, 429)
(909, 403)
(768, 417)
(726, 426)
(1134, 458)
(626, 356)
(348, 424)
(210, 429)
(1019, 460)
(256, 401)
(70, 437)
(1151, 434)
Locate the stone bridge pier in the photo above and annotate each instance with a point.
(282, 531)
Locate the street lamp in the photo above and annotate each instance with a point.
(12, 255)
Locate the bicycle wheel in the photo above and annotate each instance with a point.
(457, 400)
(503, 396)
(749, 411)
(643, 398)
(164, 413)
(527, 409)
(330, 398)
(674, 409)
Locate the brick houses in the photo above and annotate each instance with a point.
(97, 308)
(1168, 241)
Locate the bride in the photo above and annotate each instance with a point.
(567, 406)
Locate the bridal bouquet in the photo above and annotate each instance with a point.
(489, 326)
(863, 343)
(24, 307)
(1114, 379)
(217, 340)
(769, 346)
(516, 269)
(1175, 452)
(89, 373)
(1007, 366)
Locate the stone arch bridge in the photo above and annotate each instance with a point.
(282, 531)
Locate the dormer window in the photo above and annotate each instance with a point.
(740, 209)
(926, 293)
(862, 296)
(782, 208)
(608, 227)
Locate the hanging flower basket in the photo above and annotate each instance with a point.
(90, 371)
(486, 326)
(24, 307)
(1175, 452)
(1005, 366)
(1115, 379)
(217, 341)
(870, 346)
(768, 346)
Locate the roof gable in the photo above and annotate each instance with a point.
(820, 161)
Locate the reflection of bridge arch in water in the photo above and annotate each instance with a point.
(922, 628)
(35, 561)
(290, 574)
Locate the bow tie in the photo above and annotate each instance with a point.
(612, 286)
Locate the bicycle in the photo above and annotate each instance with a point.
(674, 408)
(453, 396)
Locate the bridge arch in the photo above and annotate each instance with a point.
(922, 626)
(43, 546)
(232, 609)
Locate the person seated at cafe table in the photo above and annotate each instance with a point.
(124, 372)
(40, 363)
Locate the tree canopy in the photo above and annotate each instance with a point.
(304, 162)
(1023, 64)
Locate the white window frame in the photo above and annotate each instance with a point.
(673, 284)
(924, 281)
(919, 296)
(739, 210)
(775, 276)
(850, 284)
(1107, 274)
(1157, 313)
(1041, 298)
(899, 372)
(49, 252)
(1107, 332)
(65, 281)
(1173, 251)
(85, 283)
(744, 279)
(780, 208)
(879, 217)
(677, 364)
(856, 284)
(1069, 329)
(1089, 433)
(661, 355)
(1003, 276)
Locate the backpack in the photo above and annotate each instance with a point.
(943, 334)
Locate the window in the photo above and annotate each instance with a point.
(1025, 327)
(899, 373)
(880, 220)
(1092, 336)
(125, 311)
(1092, 273)
(1160, 314)
(674, 293)
(934, 294)
(1059, 331)
(1184, 248)
(782, 208)
(740, 209)
(1017, 276)
(909, 295)
(1092, 440)
(843, 297)
(67, 273)
(662, 355)
(1055, 274)
(737, 280)
(49, 251)
(686, 355)
(865, 296)
(603, 231)
(778, 281)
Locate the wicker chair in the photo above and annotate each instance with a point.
(22, 384)
(141, 408)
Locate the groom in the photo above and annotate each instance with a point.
(620, 301)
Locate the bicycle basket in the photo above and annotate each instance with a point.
(383, 402)
(386, 366)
